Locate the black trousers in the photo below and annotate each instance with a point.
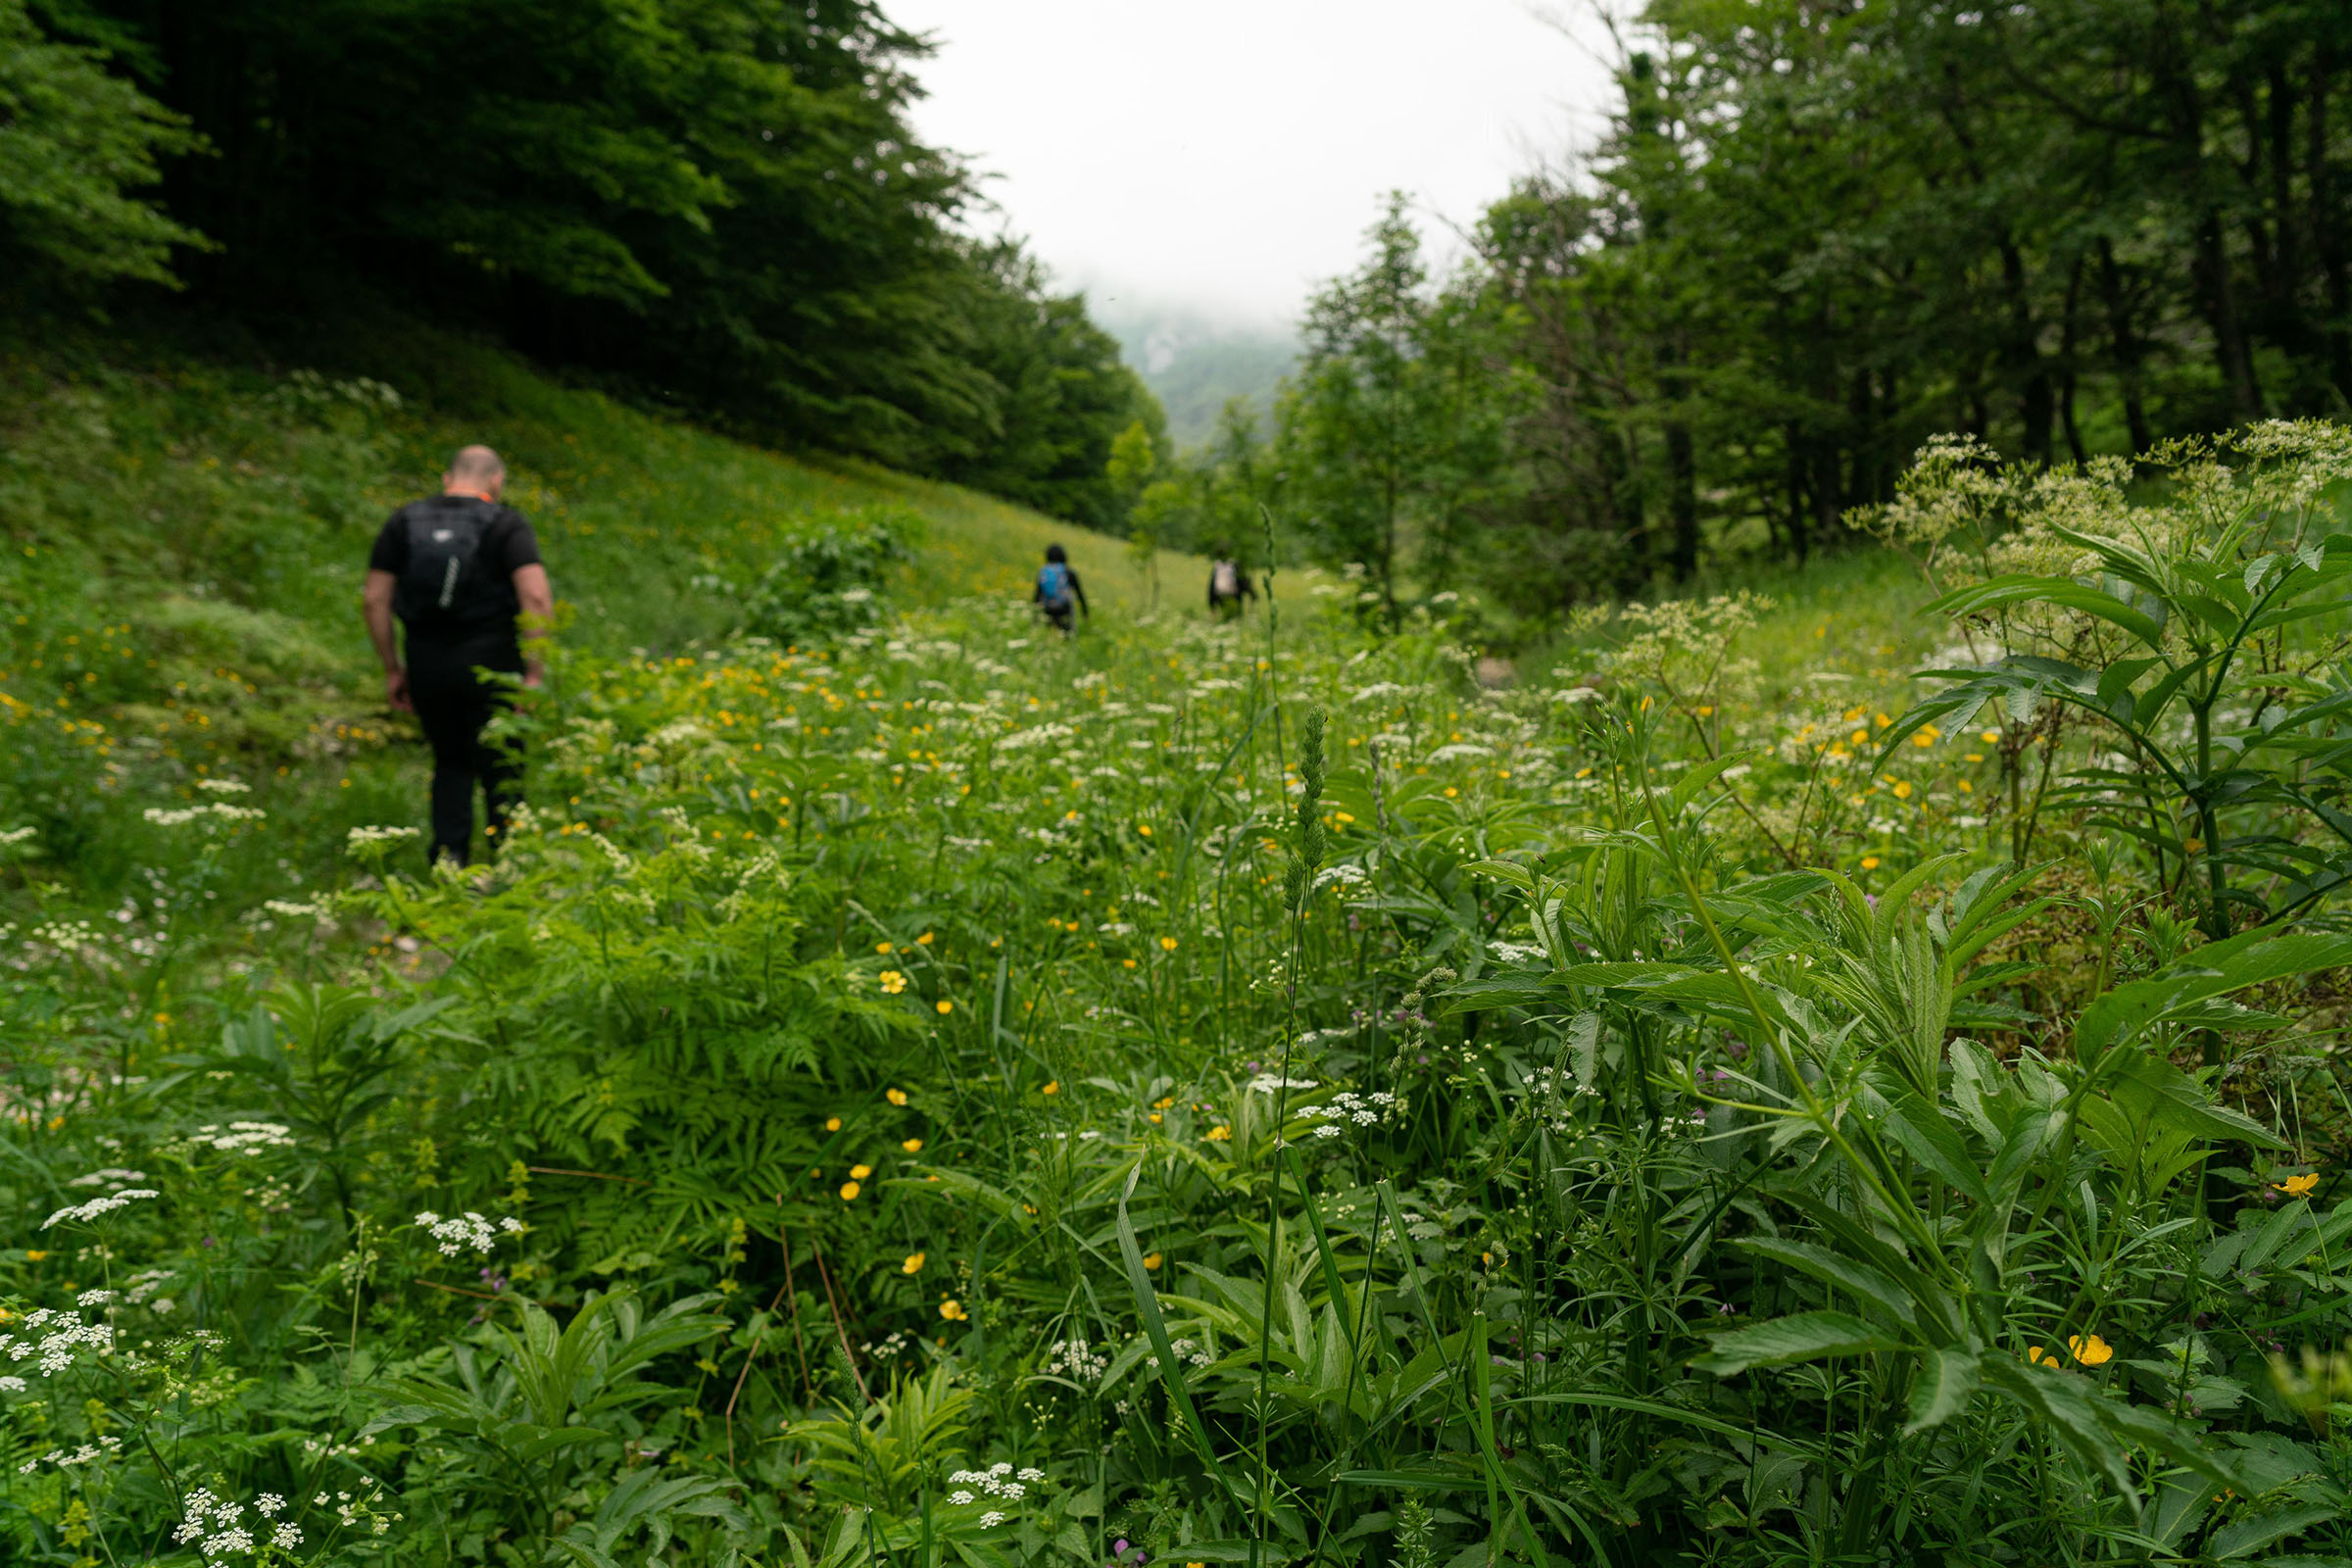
(455, 705)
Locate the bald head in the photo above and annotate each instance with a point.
(474, 470)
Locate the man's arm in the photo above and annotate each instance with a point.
(375, 602)
(538, 603)
(1079, 589)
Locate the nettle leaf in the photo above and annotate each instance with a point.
(1783, 1341)
(1941, 1389)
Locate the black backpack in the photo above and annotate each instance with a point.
(446, 581)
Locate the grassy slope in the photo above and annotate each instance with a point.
(184, 534)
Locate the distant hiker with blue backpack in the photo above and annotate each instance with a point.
(1056, 587)
(462, 574)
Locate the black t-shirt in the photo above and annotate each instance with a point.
(508, 545)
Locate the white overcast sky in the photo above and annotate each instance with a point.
(1224, 155)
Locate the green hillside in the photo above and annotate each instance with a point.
(186, 532)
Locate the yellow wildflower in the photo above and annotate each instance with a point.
(893, 982)
(35, 1254)
(923, 941)
(1902, 789)
(832, 1124)
(912, 1145)
(914, 1265)
(2293, 1187)
(860, 1173)
(884, 946)
(897, 1097)
(1151, 1260)
(1053, 1088)
(1167, 944)
(1870, 863)
(1145, 828)
(849, 1190)
(953, 1311)
(944, 1006)
(2090, 1350)
(1220, 1135)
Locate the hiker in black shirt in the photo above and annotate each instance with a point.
(462, 574)
(1227, 585)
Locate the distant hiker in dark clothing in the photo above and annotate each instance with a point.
(1228, 586)
(1057, 586)
(462, 574)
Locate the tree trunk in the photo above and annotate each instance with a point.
(2126, 346)
(2068, 328)
(2326, 222)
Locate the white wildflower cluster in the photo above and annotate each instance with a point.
(1516, 952)
(1342, 876)
(1000, 1482)
(1075, 1359)
(84, 1213)
(217, 1528)
(364, 841)
(337, 1450)
(464, 1230)
(208, 812)
(15, 835)
(290, 909)
(1347, 1108)
(66, 1459)
(141, 1289)
(67, 936)
(243, 1137)
(114, 1178)
(1267, 1083)
(1188, 1352)
(50, 1340)
(224, 786)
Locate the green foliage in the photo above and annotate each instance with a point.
(1220, 1091)
(2197, 630)
(75, 141)
(829, 582)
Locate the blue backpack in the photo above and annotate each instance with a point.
(1053, 586)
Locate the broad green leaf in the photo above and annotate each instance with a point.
(1800, 1337)
(1941, 1391)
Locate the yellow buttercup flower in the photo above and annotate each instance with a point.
(1152, 1261)
(860, 1173)
(832, 1124)
(1167, 944)
(35, 1254)
(2293, 1187)
(893, 982)
(1902, 789)
(912, 1145)
(953, 1311)
(2039, 1357)
(1053, 1088)
(884, 946)
(849, 1190)
(914, 1265)
(2090, 1350)
(1145, 828)
(1870, 863)
(897, 1097)
(1221, 1135)
(923, 941)
(943, 1006)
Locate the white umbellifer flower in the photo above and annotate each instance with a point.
(93, 1297)
(16, 835)
(465, 1230)
(1032, 1474)
(84, 1213)
(991, 1519)
(960, 1497)
(224, 786)
(1266, 1083)
(12, 1385)
(362, 839)
(269, 1506)
(286, 1537)
(112, 1177)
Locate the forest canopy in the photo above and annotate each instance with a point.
(722, 200)
(1813, 237)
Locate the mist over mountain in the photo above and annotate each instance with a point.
(1194, 363)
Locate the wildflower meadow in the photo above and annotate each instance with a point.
(1842, 1069)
